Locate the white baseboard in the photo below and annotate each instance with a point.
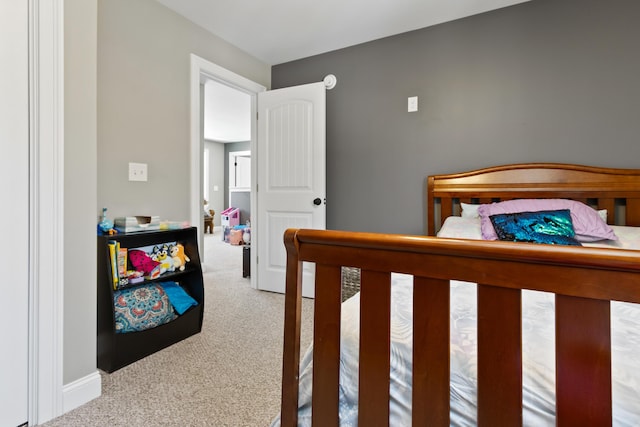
(81, 391)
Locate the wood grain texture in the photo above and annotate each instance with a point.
(326, 346)
(292, 322)
(375, 328)
(583, 362)
(430, 392)
(499, 356)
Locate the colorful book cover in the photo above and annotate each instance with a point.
(123, 280)
(122, 262)
(114, 262)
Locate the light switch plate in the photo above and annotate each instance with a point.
(137, 171)
(412, 104)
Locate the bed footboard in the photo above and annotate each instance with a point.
(584, 280)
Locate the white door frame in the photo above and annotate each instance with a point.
(46, 217)
(201, 70)
(233, 154)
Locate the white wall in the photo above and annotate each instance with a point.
(14, 173)
(80, 188)
(143, 103)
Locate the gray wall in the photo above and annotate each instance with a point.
(219, 175)
(542, 81)
(217, 178)
(230, 148)
(79, 330)
(143, 103)
(242, 201)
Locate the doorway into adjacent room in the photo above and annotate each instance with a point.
(290, 158)
(227, 156)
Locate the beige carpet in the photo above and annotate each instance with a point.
(228, 375)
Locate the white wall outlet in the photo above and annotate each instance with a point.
(215, 188)
(137, 171)
(412, 104)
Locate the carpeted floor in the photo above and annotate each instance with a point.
(228, 375)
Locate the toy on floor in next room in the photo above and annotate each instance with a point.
(208, 218)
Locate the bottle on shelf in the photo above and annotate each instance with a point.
(106, 225)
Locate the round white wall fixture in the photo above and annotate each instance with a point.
(330, 81)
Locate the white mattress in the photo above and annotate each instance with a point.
(538, 350)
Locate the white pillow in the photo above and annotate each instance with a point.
(458, 227)
(469, 210)
(603, 214)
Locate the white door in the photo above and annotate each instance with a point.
(14, 214)
(291, 183)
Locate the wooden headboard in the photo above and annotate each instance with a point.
(617, 190)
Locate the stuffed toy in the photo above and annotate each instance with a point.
(143, 262)
(179, 257)
(161, 255)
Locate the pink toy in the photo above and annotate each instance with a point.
(142, 262)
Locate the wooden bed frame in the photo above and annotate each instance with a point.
(601, 188)
(584, 280)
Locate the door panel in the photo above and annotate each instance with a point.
(291, 175)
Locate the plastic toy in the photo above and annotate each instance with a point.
(106, 225)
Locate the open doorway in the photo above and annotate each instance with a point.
(310, 117)
(227, 149)
(205, 73)
(226, 116)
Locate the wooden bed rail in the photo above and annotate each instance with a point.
(584, 280)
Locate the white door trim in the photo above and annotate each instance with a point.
(46, 219)
(201, 69)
